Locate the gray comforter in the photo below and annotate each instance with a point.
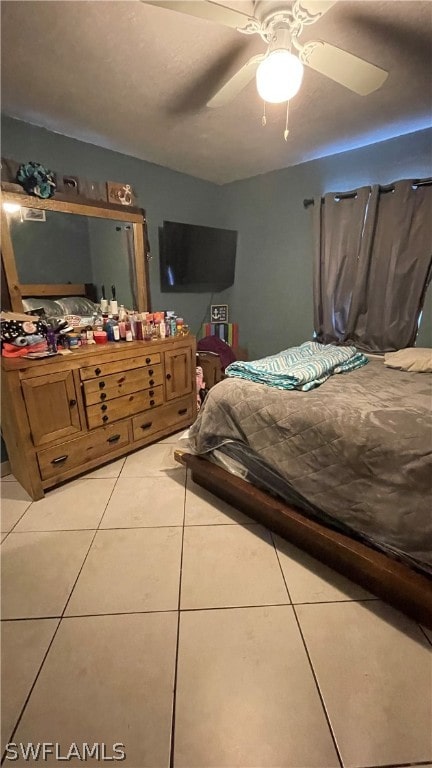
(359, 448)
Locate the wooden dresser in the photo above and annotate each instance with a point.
(71, 413)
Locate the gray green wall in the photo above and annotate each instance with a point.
(56, 250)
(109, 256)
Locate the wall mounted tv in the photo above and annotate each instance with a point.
(195, 259)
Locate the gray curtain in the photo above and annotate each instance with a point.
(373, 256)
(338, 226)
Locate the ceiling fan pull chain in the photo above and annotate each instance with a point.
(286, 131)
(264, 119)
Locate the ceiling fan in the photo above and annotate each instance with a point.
(278, 70)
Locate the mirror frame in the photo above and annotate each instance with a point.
(16, 290)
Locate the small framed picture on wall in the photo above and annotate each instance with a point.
(219, 313)
(33, 214)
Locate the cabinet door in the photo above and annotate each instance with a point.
(52, 409)
(178, 372)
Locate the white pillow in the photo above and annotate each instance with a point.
(410, 359)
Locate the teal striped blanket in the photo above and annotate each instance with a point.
(303, 367)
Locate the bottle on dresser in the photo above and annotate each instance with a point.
(122, 317)
(128, 329)
(112, 329)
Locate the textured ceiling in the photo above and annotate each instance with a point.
(135, 78)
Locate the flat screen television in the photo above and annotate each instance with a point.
(195, 259)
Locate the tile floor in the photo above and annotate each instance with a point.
(138, 609)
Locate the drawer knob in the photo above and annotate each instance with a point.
(151, 392)
(60, 459)
(104, 407)
(168, 376)
(151, 382)
(98, 371)
(152, 402)
(182, 411)
(150, 373)
(113, 439)
(147, 425)
(122, 379)
(148, 360)
(103, 396)
(105, 418)
(101, 384)
(72, 403)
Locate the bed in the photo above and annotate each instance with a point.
(343, 470)
(78, 304)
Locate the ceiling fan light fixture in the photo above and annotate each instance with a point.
(279, 76)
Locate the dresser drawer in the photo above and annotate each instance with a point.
(124, 383)
(100, 370)
(78, 452)
(121, 407)
(174, 415)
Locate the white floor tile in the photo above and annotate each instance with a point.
(112, 469)
(230, 565)
(245, 693)
(373, 667)
(310, 581)
(129, 570)
(73, 506)
(146, 501)
(23, 646)
(203, 508)
(14, 502)
(107, 679)
(175, 438)
(39, 571)
(154, 459)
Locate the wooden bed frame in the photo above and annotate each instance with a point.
(389, 579)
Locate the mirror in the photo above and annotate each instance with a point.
(48, 248)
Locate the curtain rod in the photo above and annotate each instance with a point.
(387, 188)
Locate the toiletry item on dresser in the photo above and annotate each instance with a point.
(103, 301)
(138, 326)
(74, 340)
(122, 322)
(109, 328)
(113, 302)
(100, 337)
(51, 341)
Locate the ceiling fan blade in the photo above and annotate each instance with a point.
(236, 83)
(317, 7)
(205, 9)
(343, 67)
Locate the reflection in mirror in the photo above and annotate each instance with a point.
(69, 248)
